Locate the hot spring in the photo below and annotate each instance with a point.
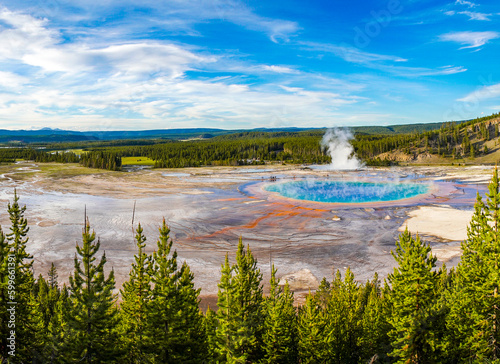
(348, 191)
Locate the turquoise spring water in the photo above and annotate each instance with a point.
(347, 192)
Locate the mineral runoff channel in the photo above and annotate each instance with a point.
(208, 209)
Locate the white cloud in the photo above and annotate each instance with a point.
(382, 62)
(279, 69)
(350, 54)
(29, 41)
(176, 103)
(334, 99)
(239, 13)
(422, 71)
(11, 80)
(466, 3)
(482, 93)
(471, 14)
(182, 16)
(79, 85)
(114, 81)
(149, 57)
(476, 16)
(118, 101)
(276, 29)
(470, 39)
(22, 31)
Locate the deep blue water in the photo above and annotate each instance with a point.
(347, 192)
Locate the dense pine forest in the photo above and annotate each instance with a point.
(418, 314)
(451, 143)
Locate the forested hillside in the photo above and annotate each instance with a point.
(468, 142)
(419, 314)
(474, 141)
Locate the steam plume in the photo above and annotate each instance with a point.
(336, 142)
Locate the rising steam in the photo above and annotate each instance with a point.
(337, 144)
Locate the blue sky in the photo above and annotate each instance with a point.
(126, 64)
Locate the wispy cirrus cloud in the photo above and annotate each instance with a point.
(477, 16)
(175, 15)
(276, 29)
(412, 72)
(29, 41)
(349, 53)
(483, 93)
(466, 3)
(472, 15)
(171, 103)
(111, 64)
(279, 69)
(386, 63)
(95, 85)
(470, 39)
(12, 81)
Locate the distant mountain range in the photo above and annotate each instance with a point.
(59, 135)
(47, 135)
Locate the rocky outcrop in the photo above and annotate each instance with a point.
(398, 156)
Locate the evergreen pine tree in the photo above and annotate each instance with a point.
(280, 324)
(28, 321)
(323, 293)
(91, 314)
(343, 319)
(136, 295)
(311, 333)
(191, 338)
(47, 296)
(44, 302)
(56, 339)
(373, 340)
(50, 304)
(475, 300)
(413, 291)
(210, 326)
(436, 319)
(175, 323)
(225, 348)
(52, 277)
(239, 334)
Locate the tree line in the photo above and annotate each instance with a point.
(232, 150)
(91, 159)
(248, 149)
(101, 159)
(10, 155)
(452, 140)
(418, 314)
